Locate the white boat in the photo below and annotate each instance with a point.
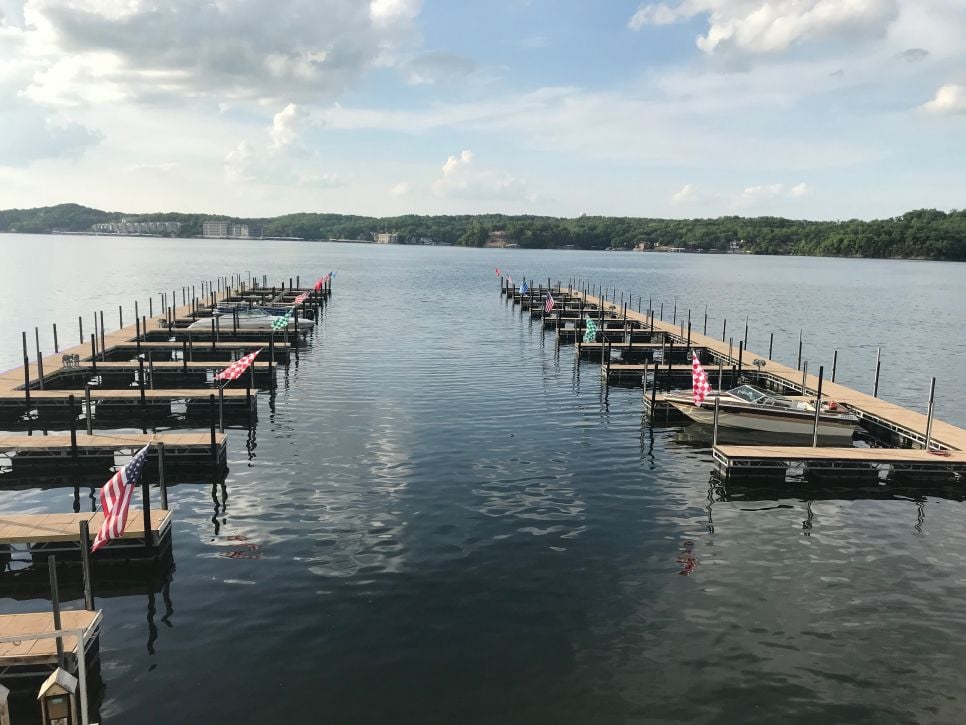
(752, 409)
(250, 321)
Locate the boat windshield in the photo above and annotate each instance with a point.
(748, 393)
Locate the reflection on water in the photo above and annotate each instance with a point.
(440, 516)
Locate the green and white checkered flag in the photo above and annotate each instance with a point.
(591, 334)
(280, 323)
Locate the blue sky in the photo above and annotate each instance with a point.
(683, 108)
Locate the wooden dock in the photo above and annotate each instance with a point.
(780, 461)
(98, 450)
(906, 427)
(37, 658)
(54, 533)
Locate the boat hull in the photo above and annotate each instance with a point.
(753, 420)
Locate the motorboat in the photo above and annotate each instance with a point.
(753, 409)
(250, 320)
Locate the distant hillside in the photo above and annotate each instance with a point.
(922, 234)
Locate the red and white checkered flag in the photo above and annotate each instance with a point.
(699, 380)
(235, 370)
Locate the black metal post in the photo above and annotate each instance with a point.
(26, 374)
(72, 415)
(161, 481)
(85, 552)
(56, 344)
(146, 502)
(878, 364)
(55, 606)
(818, 406)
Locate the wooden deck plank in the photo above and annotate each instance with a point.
(42, 650)
(42, 529)
(806, 453)
(10, 442)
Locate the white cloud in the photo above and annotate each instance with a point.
(765, 194)
(401, 189)
(286, 126)
(240, 163)
(462, 178)
(279, 160)
(386, 12)
(687, 194)
(437, 67)
(950, 98)
(174, 50)
(771, 26)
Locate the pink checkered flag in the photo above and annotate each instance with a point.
(699, 380)
(235, 370)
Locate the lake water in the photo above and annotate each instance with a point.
(441, 519)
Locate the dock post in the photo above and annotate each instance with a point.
(212, 334)
(137, 312)
(607, 371)
(878, 364)
(234, 321)
(56, 344)
(746, 332)
(87, 409)
(26, 373)
(55, 606)
(929, 413)
(799, 365)
(689, 334)
(146, 505)
(161, 482)
(705, 320)
(95, 332)
(40, 360)
(771, 342)
(217, 329)
(731, 350)
(741, 355)
(151, 306)
(835, 363)
(141, 380)
(85, 552)
(72, 415)
(120, 317)
(211, 416)
(804, 377)
(662, 312)
(720, 375)
(653, 389)
(818, 406)
(80, 328)
(674, 315)
(221, 409)
(137, 326)
(724, 329)
(103, 345)
(714, 430)
(184, 355)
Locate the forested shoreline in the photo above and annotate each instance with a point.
(921, 234)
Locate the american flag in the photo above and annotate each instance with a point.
(548, 306)
(301, 298)
(116, 498)
(699, 380)
(235, 370)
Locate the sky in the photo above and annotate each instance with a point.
(822, 109)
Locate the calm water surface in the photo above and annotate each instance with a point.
(441, 519)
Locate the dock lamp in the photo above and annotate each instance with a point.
(58, 699)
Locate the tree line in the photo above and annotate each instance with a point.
(921, 234)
